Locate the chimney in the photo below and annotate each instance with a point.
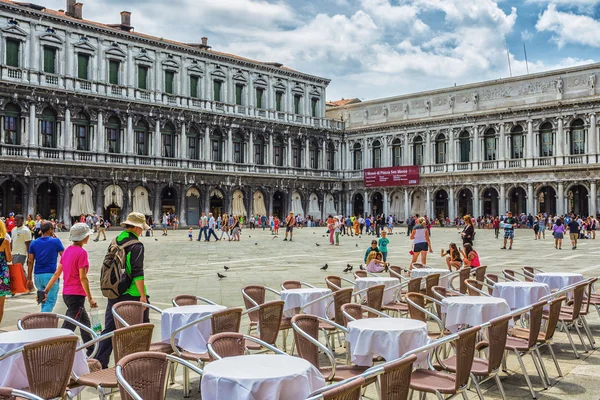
(78, 11)
(70, 7)
(205, 41)
(125, 18)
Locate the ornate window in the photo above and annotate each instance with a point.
(143, 139)
(82, 132)
(50, 59)
(314, 154)
(114, 68)
(216, 143)
(314, 107)
(260, 96)
(12, 124)
(48, 129)
(259, 150)
(489, 139)
(517, 142)
(577, 137)
(239, 94)
(297, 153)
(168, 141)
(143, 77)
(278, 151)
(194, 144)
(546, 140)
(357, 155)
(83, 66)
(278, 101)
(169, 80)
(217, 90)
(13, 52)
(113, 135)
(194, 81)
(440, 149)
(464, 143)
(297, 102)
(238, 148)
(377, 154)
(418, 151)
(396, 153)
(331, 156)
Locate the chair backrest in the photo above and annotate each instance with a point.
(375, 298)
(228, 320)
(480, 273)
(291, 285)
(553, 315)
(309, 324)
(414, 285)
(347, 391)
(340, 298)
(431, 281)
(269, 320)
(132, 339)
(39, 321)
(354, 310)
(465, 352)
(491, 279)
(463, 273)
(395, 380)
(413, 312)
(535, 322)
(475, 284)
(439, 292)
(497, 339)
(146, 373)
(131, 311)
(508, 273)
(256, 293)
(361, 274)
(394, 268)
(588, 295)
(418, 265)
(578, 292)
(185, 300)
(48, 364)
(333, 280)
(529, 272)
(228, 344)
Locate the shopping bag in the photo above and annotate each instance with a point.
(18, 283)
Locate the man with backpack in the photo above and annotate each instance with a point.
(122, 276)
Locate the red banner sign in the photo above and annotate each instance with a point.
(392, 176)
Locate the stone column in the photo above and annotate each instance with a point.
(560, 203)
(129, 136)
(99, 198)
(229, 145)
(476, 211)
(367, 203)
(530, 205)
(530, 142)
(502, 147)
(406, 205)
(385, 201)
(183, 152)
(270, 159)
(428, 158)
(475, 157)
(100, 138)
(182, 210)
(306, 154)
(593, 194)
(451, 151)
(338, 157)
(289, 152)
(207, 144)
(33, 123)
(251, 149)
(348, 165)
(560, 139)
(157, 213)
(502, 200)
(592, 136)
(428, 201)
(31, 194)
(365, 154)
(323, 157)
(66, 143)
(451, 206)
(385, 159)
(157, 142)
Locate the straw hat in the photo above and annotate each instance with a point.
(136, 219)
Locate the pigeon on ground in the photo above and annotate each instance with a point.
(256, 244)
(249, 236)
(225, 267)
(314, 233)
(351, 267)
(324, 267)
(318, 245)
(221, 276)
(156, 239)
(346, 270)
(275, 237)
(356, 244)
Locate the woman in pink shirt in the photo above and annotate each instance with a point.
(74, 266)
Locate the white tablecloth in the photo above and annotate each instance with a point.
(388, 337)
(12, 369)
(520, 294)
(472, 310)
(193, 338)
(363, 283)
(296, 298)
(558, 280)
(423, 272)
(260, 377)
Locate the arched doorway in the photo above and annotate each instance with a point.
(441, 204)
(418, 206)
(377, 203)
(490, 202)
(168, 200)
(113, 204)
(278, 205)
(358, 204)
(11, 198)
(518, 201)
(547, 200)
(465, 202)
(577, 200)
(47, 200)
(216, 202)
(192, 197)
(238, 206)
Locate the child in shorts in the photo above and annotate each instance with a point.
(191, 234)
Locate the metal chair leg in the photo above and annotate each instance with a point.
(526, 375)
(186, 382)
(477, 388)
(500, 387)
(554, 358)
(564, 326)
(588, 332)
(541, 369)
(585, 349)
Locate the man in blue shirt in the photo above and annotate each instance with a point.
(44, 253)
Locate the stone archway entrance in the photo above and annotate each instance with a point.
(47, 200)
(11, 198)
(216, 205)
(441, 204)
(465, 202)
(377, 203)
(546, 200)
(192, 197)
(518, 201)
(168, 200)
(278, 205)
(358, 204)
(490, 202)
(577, 200)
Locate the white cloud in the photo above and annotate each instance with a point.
(569, 27)
(526, 35)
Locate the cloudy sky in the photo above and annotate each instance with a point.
(378, 48)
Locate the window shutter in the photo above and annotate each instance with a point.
(142, 77)
(83, 61)
(113, 72)
(217, 89)
(49, 60)
(278, 96)
(194, 86)
(259, 98)
(169, 78)
(313, 103)
(239, 89)
(297, 98)
(12, 52)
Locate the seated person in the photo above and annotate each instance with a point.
(453, 259)
(375, 262)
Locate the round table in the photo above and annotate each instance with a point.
(363, 283)
(558, 280)
(388, 337)
(472, 310)
(260, 376)
(193, 338)
(423, 272)
(12, 369)
(520, 294)
(295, 299)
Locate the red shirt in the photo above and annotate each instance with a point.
(10, 224)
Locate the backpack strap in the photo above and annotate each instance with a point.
(130, 243)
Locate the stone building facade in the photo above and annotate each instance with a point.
(100, 118)
(525, 144)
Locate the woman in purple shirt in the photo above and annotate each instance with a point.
(558, 231)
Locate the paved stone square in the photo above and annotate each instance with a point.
(174, 265)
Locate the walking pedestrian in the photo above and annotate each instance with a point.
(468, 233)
(558, 232)
(337, 226)
(574, 228)
(382, 244)
(509, 230)
(203, 224)
(290, 222)
(21, 239)
(225, 227)
(101, 224)
(134, 225)
(211, 228)
(331, 229)
(5, 258)
(496, 226)
(421, 243)
(165, 223)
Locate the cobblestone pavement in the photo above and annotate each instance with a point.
(174, 265)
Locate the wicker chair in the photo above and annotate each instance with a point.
(353, 311)
(294, 285)
(48, 364)
(430, 281)
(374, 298)
(126, 341)
(584, 310)
(474, 287)
(480, 273)
(270, 316)
(416, 310)
(255, 295)
(361, 274)
(347, 391)
(396, 272)
(232, 344)
(128, 313)
(395, 381)
(12, 394)
(334, 283)
(142, 376)
(189, 300)
(400, 307)
(463, 273)
(340, 298)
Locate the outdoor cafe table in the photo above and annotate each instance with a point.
(472, 310)
(520, 294)
(363, 283)
(12, 369)
(423, 272)
(194, 338)
(558, 280)
(294, 299)
(260, 376)
(389, 338)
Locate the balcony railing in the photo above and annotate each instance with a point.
(14, 73)
(463, 166)
(546, 161)
(83, 156)
(52, 80)
(515, 163)
(116, 90)
(576, 159)
(85, 85)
